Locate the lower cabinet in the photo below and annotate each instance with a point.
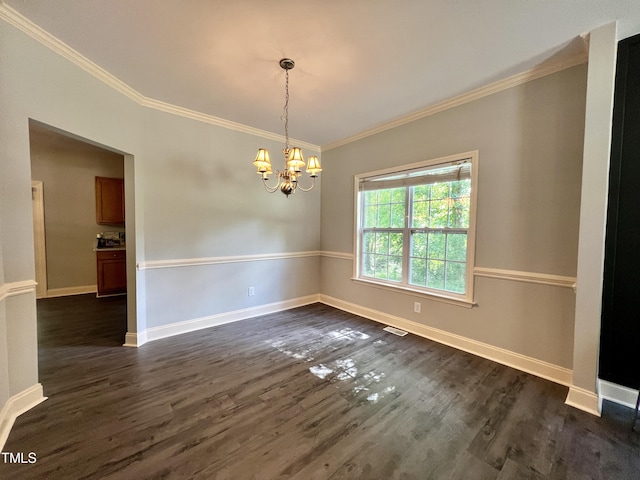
(112, 272)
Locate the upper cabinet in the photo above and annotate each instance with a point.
(109, 201)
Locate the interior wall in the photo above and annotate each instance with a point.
(4, 355)
(196, 197)
(530, 140)
(593, 215)
(68, 169)
(194, 201)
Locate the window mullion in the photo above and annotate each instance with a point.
(406, 237)
(446, 246)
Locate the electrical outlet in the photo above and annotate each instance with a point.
(417, 306)
(252, 291)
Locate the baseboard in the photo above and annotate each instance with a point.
(164, 331)
(133, 339)
(64, 292)
(583, 400)
(555, 373)
(17, 405)
(617, 393)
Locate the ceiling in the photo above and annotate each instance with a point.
(359, 63)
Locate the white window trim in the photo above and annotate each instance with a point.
(467, 299)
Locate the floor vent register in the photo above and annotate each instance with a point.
(395, 331)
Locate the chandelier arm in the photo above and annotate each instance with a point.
(307, 189)
(270, 188)
(287, 179)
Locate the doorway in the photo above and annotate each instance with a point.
(64, 168)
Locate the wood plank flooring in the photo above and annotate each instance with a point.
(311, 393)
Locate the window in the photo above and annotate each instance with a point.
(416, 227)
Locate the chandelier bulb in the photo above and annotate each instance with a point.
(287, 179)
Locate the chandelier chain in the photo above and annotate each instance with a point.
(285, 111)
(286, 179)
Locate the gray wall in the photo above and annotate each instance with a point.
(530, 141)
(68, 169)
(195, 196)
(195, 192)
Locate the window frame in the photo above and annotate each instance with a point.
(466, 299)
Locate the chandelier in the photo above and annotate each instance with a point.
(287, 179)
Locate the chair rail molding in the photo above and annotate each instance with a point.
(17, 288)
(527, 277)
(191, 262)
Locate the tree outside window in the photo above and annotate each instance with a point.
(414, 226)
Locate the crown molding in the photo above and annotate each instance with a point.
(14, 18)
(476, 94)
(221, 122)
(43, 37)
(56, 45)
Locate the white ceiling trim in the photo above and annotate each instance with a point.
(490, 89)
(43, 37)
(14, 18)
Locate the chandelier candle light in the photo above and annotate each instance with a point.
(287, 179)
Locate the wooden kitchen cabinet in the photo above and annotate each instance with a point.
(112, 272)
(109, 201)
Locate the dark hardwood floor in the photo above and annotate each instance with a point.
(311, 393)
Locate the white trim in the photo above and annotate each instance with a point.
(528, 277)
(476, 94)
(191, 262)
(133, 339)
(540, 368)
(583, 400)
(594, 185)
(14, 18)
(338, 255)
(513, 275)
(164, 331)
(17, 288)
(221, 122)
(465, 299)
(39, 241)
(617, 393)
(17, 405)
(66, 291)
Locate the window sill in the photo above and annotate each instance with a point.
(419, 293)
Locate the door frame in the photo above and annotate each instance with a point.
(39, 239)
